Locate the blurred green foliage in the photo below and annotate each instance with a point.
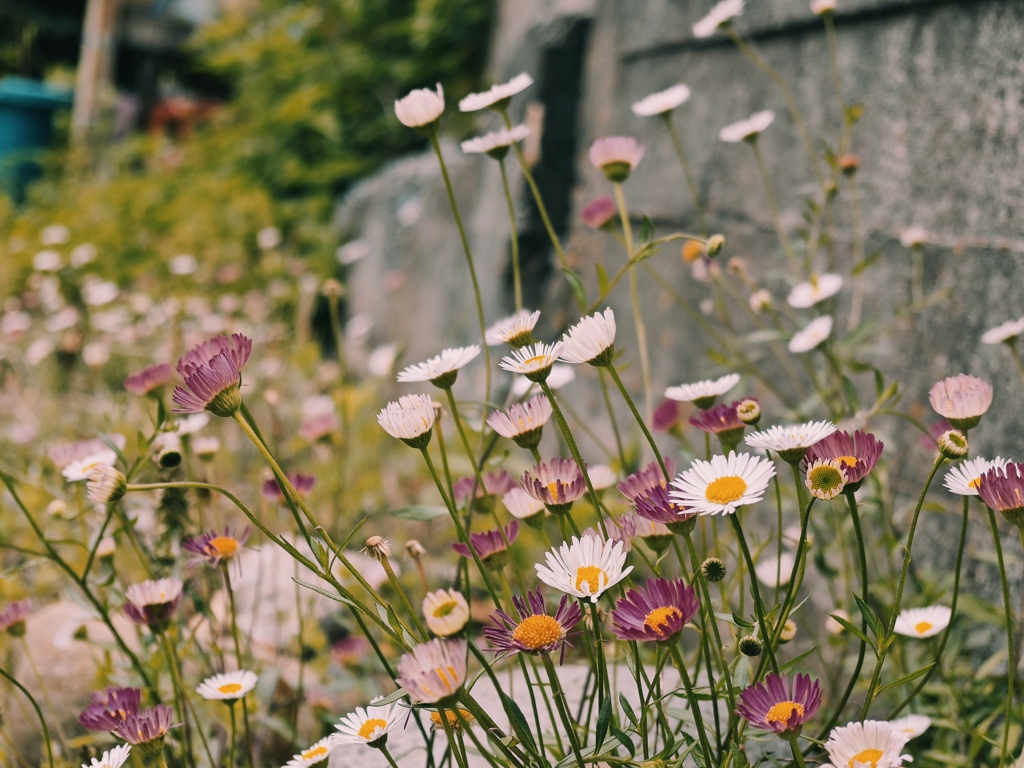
(312, 84)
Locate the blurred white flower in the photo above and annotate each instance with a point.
(721, 14)
(47, 261)
(661, 102)
(744, 130)
(55, 234)
(83, 254)
(268, 237)
(183, 264)
(420, 107)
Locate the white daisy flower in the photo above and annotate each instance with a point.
(821, 7)
(810, 337)
(913, 236)
(873, 743)
(748, 129)
(724, 484)
(662, 102)
(410, 419)
(368, 725)
(80, 469)
(316, 753)
(516, 330)
(497, 96)
(721, 14)
(561, 374)
(420, 107)
(965, 478)
(922, 622)
(703, 393)
(157, 592)
(434, 670)
(616, 156)
(496, 143)
(817, 289)
(442, 369)
(962, 399)
(773, 571)
(534, 361)
(1006, 332)
(584, 568)
(112, 758)
(446, 612)
(591, 340)
(912, 725)
(522, 422)
(790, 442)
(826, 479)
(760, 301)
(105, 484)
(228, 686)
(520, 504)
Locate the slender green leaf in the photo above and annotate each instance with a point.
(420, 512)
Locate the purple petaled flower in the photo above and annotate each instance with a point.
(599, 213)
(213, 373)
(1003, 491)
(858, 453)
(12, 618)
(148, 379)
(495, 484)
(657, 611)
(639, 482)
(558, 483)
(536, 632)
(723, 421)
(146, 725)
(655, 505)
(212, 547)
(152, 603)
(491, 546)
(108, 709)
(665, 415)
(780, 705)
(272, 491)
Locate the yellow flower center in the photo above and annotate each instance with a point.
(366, 729)
(553, 488)
(536, 632)
(781, 712)
(315, 753)
(535, 360)
(975, 483)
(452, 718)
(726, 490)
(230, 688)
(224, 546)
(445, 609)
(658, 619)
(923, 626)
(850, 461)
(867, 756)
(592, 576)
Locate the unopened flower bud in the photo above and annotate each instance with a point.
(715, 244)
(788, 631)
(749, 412)
(953, 444)
(414, 549)
(848, 164)
(713, 569)
(105, 485)
(751, 646)
(693, 250)
(378, 547)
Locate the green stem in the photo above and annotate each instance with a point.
(634, 293)
(698, 719)
(758, 605)
(876, 674)
(179, 695)
(517, 280)
(61, 738)
(562, 705)
(639, 420)
(387, 756)
(687, 172)
(1011, 665)
(231, 759)
(238, 664)
(604, 688)
(453, 743)
(773, 206)
(798, 755)
(1015, 353)
(39, 713)
(611, 418)
(397, 586)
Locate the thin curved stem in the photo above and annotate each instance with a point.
(639, 420)
(691, 183)
(517, 279)
(773, 206)
(238, 665)
(634, 294)
(39, 713)
(698, 719)
(758, 604)
(1011, 665)
(562, 705)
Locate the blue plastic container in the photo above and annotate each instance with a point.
(26, 126)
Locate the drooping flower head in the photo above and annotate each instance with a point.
(586, 567)
(491, 546)
(779, 704)
(110, 707)
(105, 485)
(433, 671)
(703, 393)
(723, 421)
(112, 758)
(922, 622)
(591, 340)
(228, 686)
(825, 479)
(962, 399)
(723, 13)
(662, 102)
(557, 483)
(616, 156)
(497, 97)
(817, 289)
(148, 379)
(599, 213)
(858, 453)
(421, 109)
(213, 374)
(791, 442)
(496, 143)
(535, 631)
(722, 485)
(441, 370)
(657, 611)
(532, 361)
(748, 129)
(145, 725)
(315, 753)
(370, 725)
(446, 612)
(410, 419)
(644, 479)
(214, 546)
(13, 617)
(496, 483)
(522, 422)
(657, 506)
(516, 330)
(813, 334)
(152, 603)
(873, 743)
